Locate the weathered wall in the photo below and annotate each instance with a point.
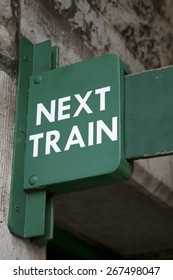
(139, 31)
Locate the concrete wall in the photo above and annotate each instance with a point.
(138, 31)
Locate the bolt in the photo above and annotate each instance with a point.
(25, 57)
(38, 80)
(33, 179)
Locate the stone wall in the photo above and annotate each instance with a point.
(138, 31)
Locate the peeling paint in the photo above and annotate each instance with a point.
(164, 153)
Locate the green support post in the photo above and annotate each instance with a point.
(30, 214)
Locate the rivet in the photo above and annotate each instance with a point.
(33, 180)
(38, 80)
(16, 208)
(22, 129)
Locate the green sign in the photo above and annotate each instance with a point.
(75, 126)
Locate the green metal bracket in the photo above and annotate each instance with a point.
(96, 163)
(30, 214)
(148, 114)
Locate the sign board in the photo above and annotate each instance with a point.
(75, 127)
